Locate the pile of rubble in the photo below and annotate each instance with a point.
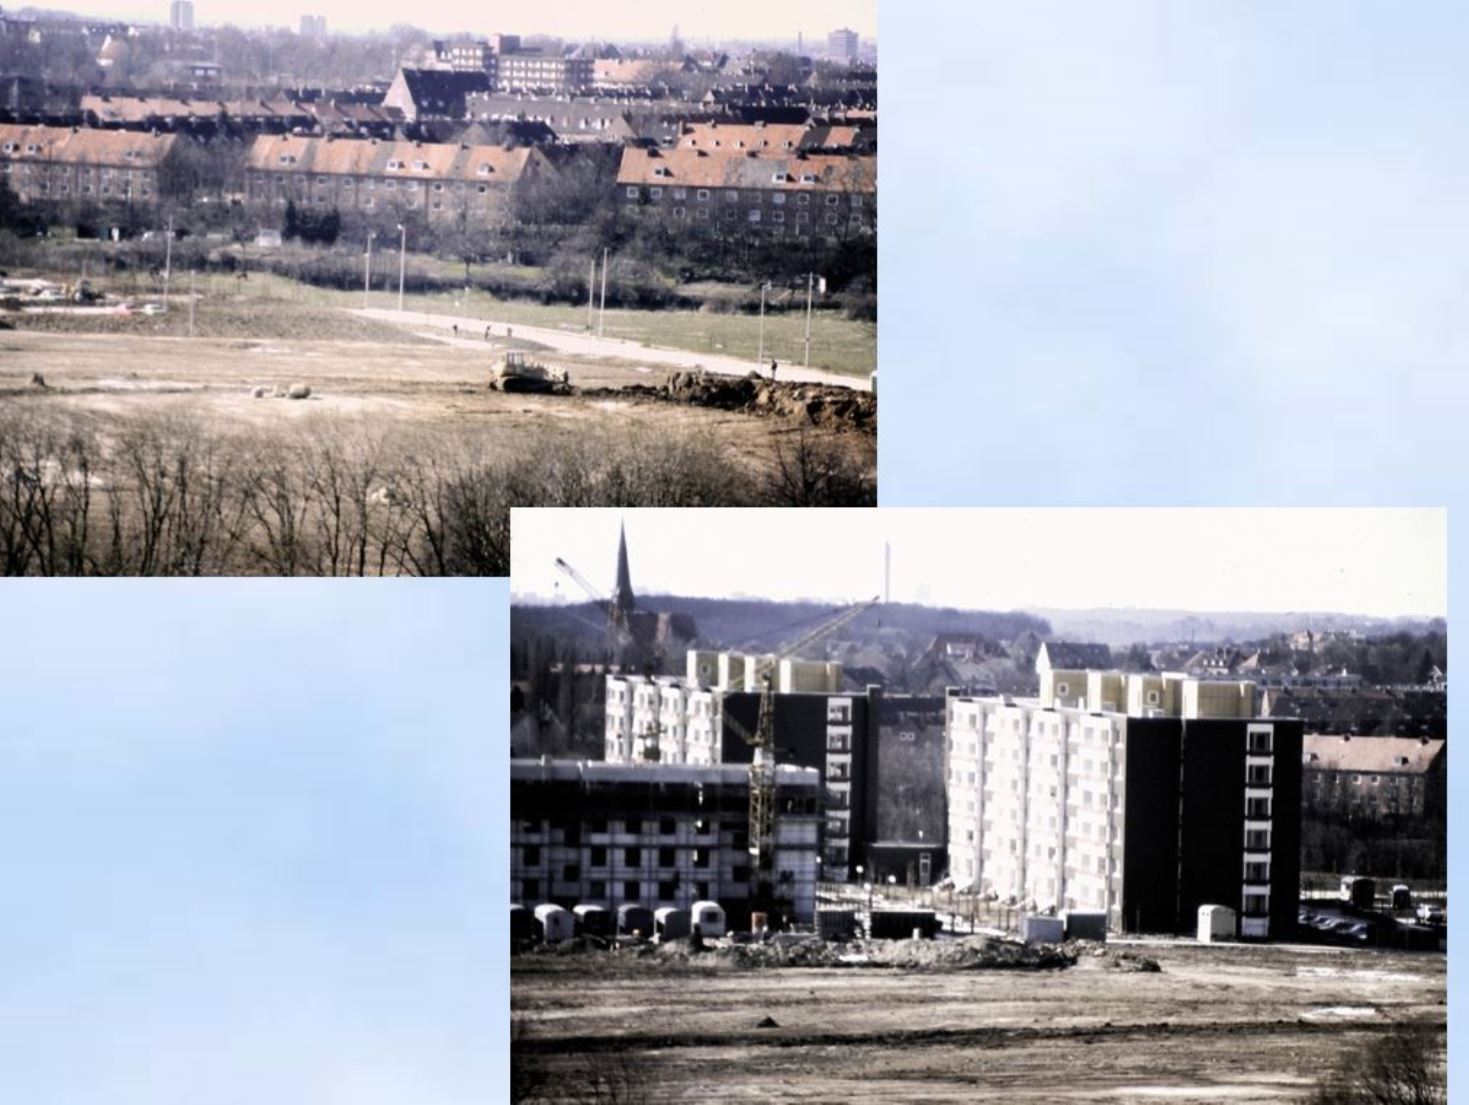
(814, 404)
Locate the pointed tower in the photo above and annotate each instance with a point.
(622, 596)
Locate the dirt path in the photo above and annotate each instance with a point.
(584, 345)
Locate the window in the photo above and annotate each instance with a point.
(754, 215)
(599, 855)
(680, 193)
(1258, 741)
(778, 197)
(740, 873)
(667, 826)
(678, 212)
(420, 166)
(832, 200)
(633, 825)
(632, 191)
(1257, 872)
(667, 890)
(596, 889)
(531, 855)
(702, 194)
(532, 887)
(632, 889)
(701, 857)
(1257, 904)
(633, 857)
(438, 187)
(666, 857)
(856, 201)
(395, 164)
(571, 872)
(1258, 775)
(656, 193)
(1257, 840)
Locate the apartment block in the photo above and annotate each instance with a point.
(782, 193)
(448, 182)
(68, 164)
(1141, 797)
(656, 835)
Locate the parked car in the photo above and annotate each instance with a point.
(1430, 914)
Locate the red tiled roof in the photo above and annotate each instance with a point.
(764, 137)
(416, 160)
(783, 171)
(1381, 755)
(121, 148)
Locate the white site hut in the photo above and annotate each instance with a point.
(554, 924)
(709, 916)
(593, 920)
(670, 923)
(1216, 922)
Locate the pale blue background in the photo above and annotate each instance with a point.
(252, 842)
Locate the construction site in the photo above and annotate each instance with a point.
(281, 391)
(714, 907)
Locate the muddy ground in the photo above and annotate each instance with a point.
(1214, 1023)
(363, 371)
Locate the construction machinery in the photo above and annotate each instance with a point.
(763, 797)
(517, 372)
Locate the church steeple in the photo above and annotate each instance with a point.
(622, 596)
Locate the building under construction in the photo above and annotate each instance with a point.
(657, 835)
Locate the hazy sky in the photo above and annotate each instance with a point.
(572, 19)
(252, 836)
(1378, 562)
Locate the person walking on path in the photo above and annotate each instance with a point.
(772, 370)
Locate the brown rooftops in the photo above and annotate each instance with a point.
(702, 168)
(409, 160)
(1380, 755)
(124, 149)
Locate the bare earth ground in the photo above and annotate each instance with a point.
(1217, 1023)
(365, 370)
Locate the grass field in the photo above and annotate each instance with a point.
(838, 344)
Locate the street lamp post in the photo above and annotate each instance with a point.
(367, 268)
(167, 261)
(760, 356)
(810, 280)
(402, 255)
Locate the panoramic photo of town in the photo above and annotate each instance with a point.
(957, 811)
(295, 301)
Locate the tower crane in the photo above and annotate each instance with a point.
(763, 763)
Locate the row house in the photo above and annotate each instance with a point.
(1374, 778)
(446, 181)
(779, 193)
(62, 164)
(768, 139)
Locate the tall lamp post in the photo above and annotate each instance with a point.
(402, 254)
(367, 268)
(760, 356)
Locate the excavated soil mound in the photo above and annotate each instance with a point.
(815, 404)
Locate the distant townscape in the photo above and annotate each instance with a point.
(651, 268)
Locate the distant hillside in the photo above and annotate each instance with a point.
(1126, 626)
(761, 625)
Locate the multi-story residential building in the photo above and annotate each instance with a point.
(656, 835)
(1141, 797)
(825, 195)
(370, 178)
(433, 93)
(1374, 778)
(710, 718)
(842, 44)
(181, 15)
(69, 164)
(472, 57)
(533, 71)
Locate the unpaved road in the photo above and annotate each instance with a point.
(585, 345)
(1216, 1024)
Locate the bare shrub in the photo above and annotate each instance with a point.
(814, 470)
(1403, 1066)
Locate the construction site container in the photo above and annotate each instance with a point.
(1042, 930)
(1362, 893)
(709, 916)
(670, 923)
(554, 924)
(898, 924)
(522, 925)
(634, 919)
(836, 924)
(1086, 926)
(594, 920)
(1216, 923)
(1402, 898)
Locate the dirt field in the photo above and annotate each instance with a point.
(1221, 1023)
(401, 442)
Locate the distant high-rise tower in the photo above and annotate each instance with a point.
(181, 15)
(313, 26)
(622, 596)
(842, 44)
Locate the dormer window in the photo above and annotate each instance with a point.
(33, 148)
(660, 170)
(420, 166)
(808, 178)
(779, 178)
(395, 164)
(485, 168)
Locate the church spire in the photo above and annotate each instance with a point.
(622, 596)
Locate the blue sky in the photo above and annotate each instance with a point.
(252, 836)
(1173, 253)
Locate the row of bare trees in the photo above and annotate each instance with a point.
(166, 496)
